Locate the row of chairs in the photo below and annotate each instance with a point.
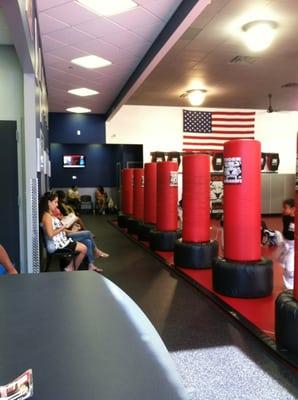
(86, 205)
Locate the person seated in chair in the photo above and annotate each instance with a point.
(74, 197)
(77, 230)
(64, 209)
(56, 234)
(101, 198)
(6, 262)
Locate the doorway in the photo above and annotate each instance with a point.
(9, 209)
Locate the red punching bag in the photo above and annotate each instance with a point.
(295, 292)
(242, 200)
(138, 194)
(150, 193)
(196, 198)
(167, 196)
(296, 247)
(127, 190)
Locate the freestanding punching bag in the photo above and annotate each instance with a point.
(195, 250)
(163, 238)
(242, 272)
(133, 223)
(149, 201)
(286, 304)
(126, 196)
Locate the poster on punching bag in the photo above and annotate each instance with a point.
(232, 170)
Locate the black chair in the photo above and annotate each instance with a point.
(86, 204)
(157, 156)
(64, 255)
(174, 156)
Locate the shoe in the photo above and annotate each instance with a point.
(99, 253)
(104, 255)
(95, 269)
(68, 269)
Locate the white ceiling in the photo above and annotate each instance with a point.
(200, 58)
(69, 31)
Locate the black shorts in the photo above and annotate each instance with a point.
(71, 246)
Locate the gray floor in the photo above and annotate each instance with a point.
(215, 356)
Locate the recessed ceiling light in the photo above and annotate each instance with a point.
(91, 62)
(108, 7)
(78, 110)
(83, 92)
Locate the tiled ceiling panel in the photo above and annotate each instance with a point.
(201, 55)
(201, 60)
(69, 31)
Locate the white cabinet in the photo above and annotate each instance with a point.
(276, 188)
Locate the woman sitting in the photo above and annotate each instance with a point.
(101, 199)
(56, 234)
(76, 230)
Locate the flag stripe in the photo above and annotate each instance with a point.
(208, 131)
(219, 137)
(236, 132)
(233, 119)
(232, 126)
(234, 113)
(189, 150)
(215, 142)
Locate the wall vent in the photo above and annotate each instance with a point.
(290, 85)
(243, 60)
(35, 225)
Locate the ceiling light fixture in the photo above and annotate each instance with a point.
(259, 34)
(196, 97)
(91, 62)
(107, 7)
(83, 92)
(78, 110)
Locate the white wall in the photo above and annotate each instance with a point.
(277, 133)
(157, 128)
(161, 128)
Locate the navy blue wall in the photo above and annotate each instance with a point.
(102, 160)
(101, 163)
(64, 126)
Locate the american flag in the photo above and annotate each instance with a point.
(207, 131)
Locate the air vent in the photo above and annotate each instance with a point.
(243, 60)
(290, 85)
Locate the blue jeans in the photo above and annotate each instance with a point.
(86, 238)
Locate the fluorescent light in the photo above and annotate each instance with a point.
(107, 7)
(83, 92)
(78, 110)
(91, 62)
(258, 35)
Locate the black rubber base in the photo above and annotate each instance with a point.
(243, 279)
(163, 241)
(122, 220)
(144, 231)
(286, 322)
(133, 226)
(195, 255)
